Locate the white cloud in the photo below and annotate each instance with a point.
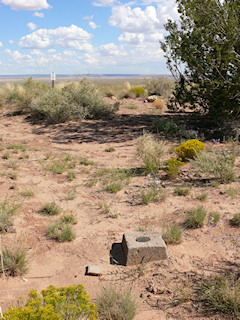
(104, 3)
(1, 44)
(88, 17)
(111, 49)
(36, 52)
(52, 50)
(38, 14)
(69, 53)
(65, 37)
(32, 26)
(26, 4)
(93, 25)
(11, 41)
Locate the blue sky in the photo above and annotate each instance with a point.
(83, 36)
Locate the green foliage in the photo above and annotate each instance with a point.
(221, 294)
(7, 210)
(14, 259)
(173, 234)
(137, 92)
(166, 126)
(71, 175)
(17, 147)
(214, 218)
(219, 164)
(195, 218)
(154, 192)
(202, 197)
(206, 42)
(112, 186)
(50, 209)
(116, 304)
(86, 162)
(235, 221)
(161, 86)
(91, 182)
(61, 231)
(179, 191)
(6, 155)
(172, 167)
(189, 149)
(65, 303)
(110, 149)
(69, 217)
(150, 152)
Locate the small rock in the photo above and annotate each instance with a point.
(151, 98)
(93, 270)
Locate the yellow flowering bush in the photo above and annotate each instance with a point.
(64, 303)
(172, 167)
(188, 149)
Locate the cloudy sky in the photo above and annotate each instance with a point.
(83, 36)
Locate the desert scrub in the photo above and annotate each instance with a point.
(172, 167)
(91, 182)
(221, 294)
(50, 209)
(195, 218)
(86, 162)
(179, 191)
(7, 209)
(189, 149)
(59, 166)
(62, 303)
(235, 221)
(17, 147)
(154, 192)
(117, 304)
(137, 92)
(202, 197)
(161, 86)
(110, 149)
(60, 231)
(159, 104)
(150, 152)
(165, 126)
(69, 218)
(173, 234)
(71, 175)
(86, 97)
(220, 165)
(114, 180)
(13, 258)
(28, 193)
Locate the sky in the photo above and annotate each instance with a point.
(83, 36)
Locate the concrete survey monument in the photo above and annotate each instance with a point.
(141, 247)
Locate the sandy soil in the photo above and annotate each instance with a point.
(163, 289)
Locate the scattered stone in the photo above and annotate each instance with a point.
(141, 247)
(151, 98)
(93, 270)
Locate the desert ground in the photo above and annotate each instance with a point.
(164, 289)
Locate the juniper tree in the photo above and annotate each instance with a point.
(203, 54)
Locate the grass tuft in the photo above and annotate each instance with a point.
(195, 218)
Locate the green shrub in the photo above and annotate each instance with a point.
(165, 126)
(179, 191)
(219, 164)
(172, 167)
(202, 197)
(55, 107)
(110, 149)
(85, 95)
(7, 210)
(14, 259)
(71, 175)
(137, 92)
(235, 221)
(161, 86)
(65, 303)
(50, 209)
(17, 147)
(213, 219)
(86, 162)
(150, 152)
(222, 294)
(69, 217)
(189, 149)
(60, 231)
(173, 234)
(116, 304)
(154, 191)
(195, 218)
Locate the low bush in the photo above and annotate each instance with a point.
(116, 304)
(172, 167)
(65, 303)
(137, 92)
(173, 234)
(161, 86)
(219, 164)
(159, 104)
(179, 191)
(13, 259)
(189, 149)
(235, 221)
(195, 218)
(60, 231)
(150, 152)
(221, 294)
(50, 209)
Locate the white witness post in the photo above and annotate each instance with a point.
(53, 78)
